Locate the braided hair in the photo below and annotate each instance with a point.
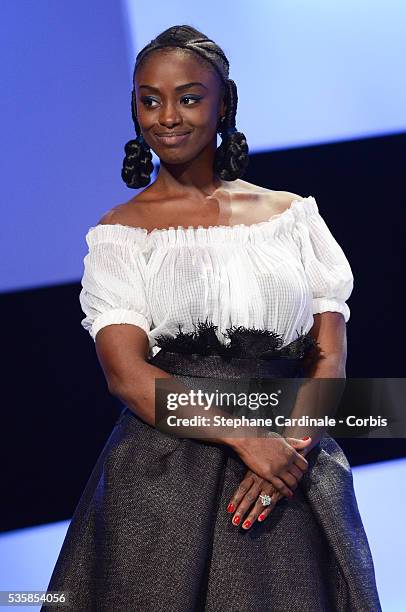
(231, 158)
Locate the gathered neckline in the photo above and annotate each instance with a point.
(211, 228)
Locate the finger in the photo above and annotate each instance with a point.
(289, 479)
(293, 456)
(296, 472)
(281, 486)
(246, 503)
(299, 444)
(266, 510)
(259, 510)
(243, 487)
(301, 462)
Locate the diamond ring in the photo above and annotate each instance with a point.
(265, 499)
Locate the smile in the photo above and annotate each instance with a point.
(174, 139)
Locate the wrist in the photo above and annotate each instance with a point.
(239, 437)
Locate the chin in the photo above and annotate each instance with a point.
(178, 156)
(175, 157)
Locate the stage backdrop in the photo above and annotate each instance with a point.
(308, 73)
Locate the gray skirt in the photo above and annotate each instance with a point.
(151, 531)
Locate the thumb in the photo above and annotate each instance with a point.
(299, 443)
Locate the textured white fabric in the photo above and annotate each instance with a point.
(273, 274)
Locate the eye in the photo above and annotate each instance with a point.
(146, 100)
(195, 98)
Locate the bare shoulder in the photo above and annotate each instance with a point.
(279, 200)
(287, 197)
(108, 218)
(123, 214)
(282, 200)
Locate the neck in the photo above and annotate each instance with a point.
(193, 178)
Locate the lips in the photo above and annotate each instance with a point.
(172, 138)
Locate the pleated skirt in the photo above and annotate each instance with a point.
(151, 531)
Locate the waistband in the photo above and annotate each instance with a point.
(250, 353)
(215, 366)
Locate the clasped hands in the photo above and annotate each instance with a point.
(275, 467)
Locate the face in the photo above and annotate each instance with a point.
(177, 94)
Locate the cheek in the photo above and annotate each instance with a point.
(205, 117)
(146, 119)
(204, 124)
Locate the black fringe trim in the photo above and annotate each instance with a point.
(244, 342)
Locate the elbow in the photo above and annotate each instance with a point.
(128, 386)
(332, 365)
(113, 388)
(123, 394)
(118, 388)
(125, 379)
(116, 383)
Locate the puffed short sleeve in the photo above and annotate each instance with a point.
(327, 269)
(113, 282)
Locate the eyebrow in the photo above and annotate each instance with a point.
(179, 88)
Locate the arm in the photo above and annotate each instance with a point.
(118, 318)
(122, 351)
(331, 282)
(329, 330)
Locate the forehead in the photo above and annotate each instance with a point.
(172, 67)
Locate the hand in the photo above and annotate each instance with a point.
(248, 492)
(274, 459)
(246, 495)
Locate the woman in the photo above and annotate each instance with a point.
(250, 282)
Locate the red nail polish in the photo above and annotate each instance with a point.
(230, 507)
(246, 524)
(306, 438)
(236, 519)
(261, 517)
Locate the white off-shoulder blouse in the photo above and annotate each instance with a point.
(274, 275)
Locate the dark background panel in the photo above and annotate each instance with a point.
(57, 411)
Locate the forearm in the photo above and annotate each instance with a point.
(138, 392)
(318, 400)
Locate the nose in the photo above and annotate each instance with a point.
(169, 114)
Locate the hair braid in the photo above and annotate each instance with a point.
(137, 164)
(231, 158)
